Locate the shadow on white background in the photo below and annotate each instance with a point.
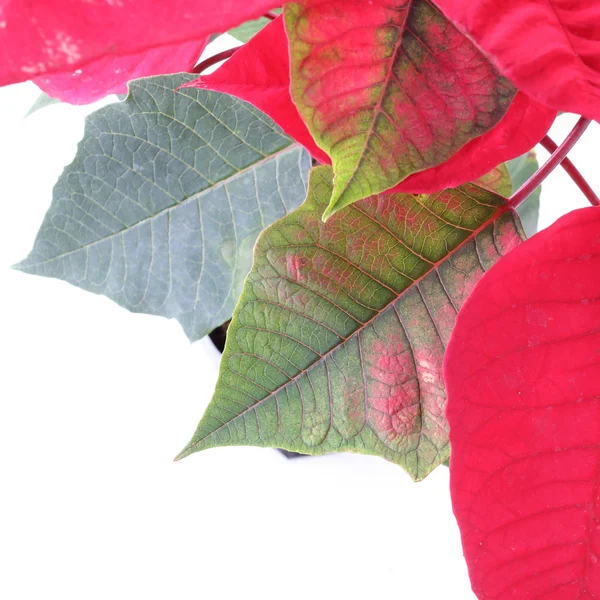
(95, 403)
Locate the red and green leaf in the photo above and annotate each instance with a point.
(550, 49)
(110, 42)
(523, 376)
(259, 73)
(338, 339)
(387, 89)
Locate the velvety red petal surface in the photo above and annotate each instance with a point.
(259, 73)
(41, 37)
(549, 49)
(522, 372)
(109, 75)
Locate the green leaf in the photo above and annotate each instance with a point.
(521, 169)
(246, 31)
(387, 89)
(42, 101)
(163, 203)
(338, 339)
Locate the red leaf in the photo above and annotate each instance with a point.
(41, 38)
(550, 49)
(109, 75)
(260, 74)
(522, 372)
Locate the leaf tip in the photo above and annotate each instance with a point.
(189, 449)
(329, 212)
(20, 266)
(340, 199)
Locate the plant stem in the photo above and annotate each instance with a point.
(573, 173)
(270, 15)
(213, 60)
(557, 157)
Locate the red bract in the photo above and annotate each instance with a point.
(62, 36)
(260, 74)
(550, 49)
(522, 372)
(109, 75)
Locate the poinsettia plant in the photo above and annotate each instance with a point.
(344, 189)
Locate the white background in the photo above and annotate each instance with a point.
(95, 402)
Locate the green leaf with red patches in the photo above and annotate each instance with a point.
(338, 339)
(387, 89)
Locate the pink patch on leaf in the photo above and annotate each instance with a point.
(296, 265)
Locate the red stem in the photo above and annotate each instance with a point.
(557, 157)
(573, 173)
(213, 60)
(270, 15)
